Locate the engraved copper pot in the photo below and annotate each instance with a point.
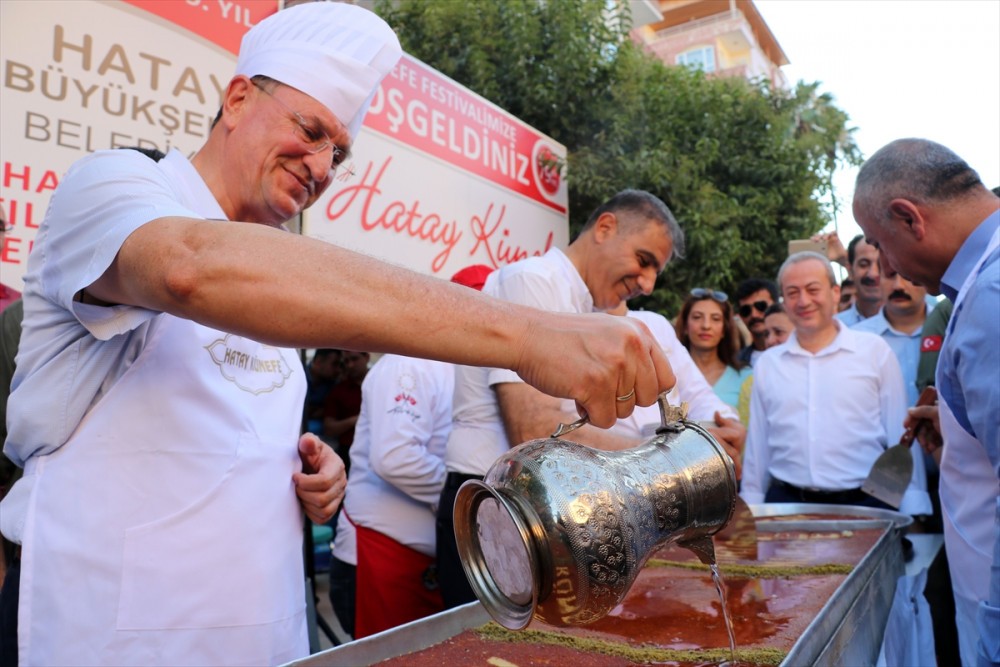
(559, 531)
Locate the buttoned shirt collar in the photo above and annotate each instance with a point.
(967, 256)
(840, 342)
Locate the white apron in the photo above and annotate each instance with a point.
(968, 492)
(166, 530)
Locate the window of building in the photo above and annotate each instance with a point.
(702, 58)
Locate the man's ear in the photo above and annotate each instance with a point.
(909, 216)
(605, 227)
(235, 99)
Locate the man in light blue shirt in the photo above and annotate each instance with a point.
(862, 261)
(900, 323)
(936, 223)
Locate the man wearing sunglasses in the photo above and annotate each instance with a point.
(157, 399)
(753, 297)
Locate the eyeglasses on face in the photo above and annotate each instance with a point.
(747, 308)
(315, 139)
(715, 295)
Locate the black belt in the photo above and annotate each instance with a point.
(845, 497)
(457, 479)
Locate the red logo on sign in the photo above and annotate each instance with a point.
(548, 166)
(931, 343)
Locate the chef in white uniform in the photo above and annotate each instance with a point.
(937, 225)
(156, 403)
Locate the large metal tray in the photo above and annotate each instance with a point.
(847, 630)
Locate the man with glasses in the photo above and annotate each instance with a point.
(753, 296)
(157, 399)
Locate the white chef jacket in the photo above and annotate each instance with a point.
(820, 420)
(397, 459)
(691, 386)
(550, 283)
(157, 514)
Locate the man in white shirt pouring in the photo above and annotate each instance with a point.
(157, 399)
(826, 403)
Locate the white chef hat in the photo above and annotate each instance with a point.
(334, 52)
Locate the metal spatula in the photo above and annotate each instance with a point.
(892, 470)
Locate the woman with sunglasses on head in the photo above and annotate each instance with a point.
(705, 327)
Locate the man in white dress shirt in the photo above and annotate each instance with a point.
(826, 403)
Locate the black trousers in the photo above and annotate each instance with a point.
(455, 588)
(343, 588)
(783, 492)
(8, 614)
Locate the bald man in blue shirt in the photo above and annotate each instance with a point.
(935, 223)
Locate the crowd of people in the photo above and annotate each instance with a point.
(153, 398)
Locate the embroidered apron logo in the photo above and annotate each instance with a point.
(405, 399)
(250, 366)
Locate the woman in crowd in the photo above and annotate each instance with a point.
(705, 327)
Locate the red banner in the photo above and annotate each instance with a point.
(428, 111)
(221, 21)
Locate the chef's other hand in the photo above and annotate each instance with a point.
(732, 435)
(320, 486)
(607, 364)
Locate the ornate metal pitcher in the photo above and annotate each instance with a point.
(560, 531)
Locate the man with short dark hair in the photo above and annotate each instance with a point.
(753, 296)
(848, 290)
(862, 260)
(900, 323)
(932, 220)
(618, 254)
(825, 404)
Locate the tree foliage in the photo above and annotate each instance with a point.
(744, 166)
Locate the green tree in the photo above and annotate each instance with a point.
(744, 166)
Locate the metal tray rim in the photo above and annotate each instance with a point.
(426, 632)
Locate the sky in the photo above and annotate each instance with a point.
(917, 68)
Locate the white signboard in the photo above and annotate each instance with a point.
(440, 179)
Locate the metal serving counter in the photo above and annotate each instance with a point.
(847, 630)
